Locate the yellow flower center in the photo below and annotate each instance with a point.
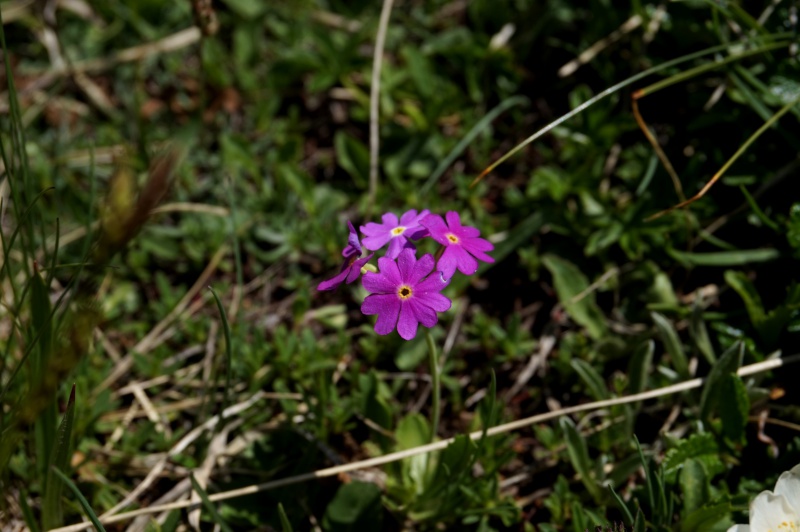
(404, 292)
(452, 238)
(397, 231)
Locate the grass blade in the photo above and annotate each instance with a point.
(286, 526)
(59, 460)
(209, 505)
(226, 329)
(672, 344)
(84, 503)
(728, 363)
(459, 148)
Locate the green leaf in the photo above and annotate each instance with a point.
(208, 505)
(708, 519)
(353, 157)
(356, 506)
(728, 363)
(226, 329)
(752, 301)
(84, 503)
(413, 431)
(701, 447)
(741, 257)
(640, 366)
(699, 333)
(672, 344)
(286, 526)
(694, 485)
(734, 407)
(579, 456)
(569, 282)
(622, 506)
(59, 460)
(639, 522)
(594, 382)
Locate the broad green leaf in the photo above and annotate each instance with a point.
(413, 431)
(713, 518)
(740, 257)
(579, 456)
(734, 407)
(591, 378)
(59, 461)
(694, 485)
(356, 506)
(701, 447)
(672, 344)
(728, 363)
(569, 282)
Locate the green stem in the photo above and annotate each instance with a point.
(436, 391)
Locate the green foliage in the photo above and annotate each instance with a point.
(585, 301)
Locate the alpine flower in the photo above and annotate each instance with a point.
(401, 295)
(396, 232)
(351, 268)
(777, 511)
(462, 244)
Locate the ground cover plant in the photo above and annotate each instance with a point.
(223, 224)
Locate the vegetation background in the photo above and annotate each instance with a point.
(152, 150)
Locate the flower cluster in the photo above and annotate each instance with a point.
(405, 291)
(778, 510)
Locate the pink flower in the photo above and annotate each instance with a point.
(400, 297)
(396, 233)
(351, 268)
(462, 244)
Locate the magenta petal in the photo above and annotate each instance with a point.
(416, 234)
(408, 217)
(331, 284)
(406, 262)
(448, 262)
(377, 241)
(407, 323)
(423, 267)
(353, 245)
(377, 283)
(373, 229)
(396, 245)
(389, 220)
(436, 301)
(386, 306)
(355, 269)
(434, 284)
(480, 255)
(453, 220)
(477, 244)
(435, 225)
(388, 268)
(423, 313)
(466, 232)
(466, 263)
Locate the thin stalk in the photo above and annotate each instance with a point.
(436, 384)
(614, 88)
(782, 111)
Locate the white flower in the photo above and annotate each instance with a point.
(778, 511)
